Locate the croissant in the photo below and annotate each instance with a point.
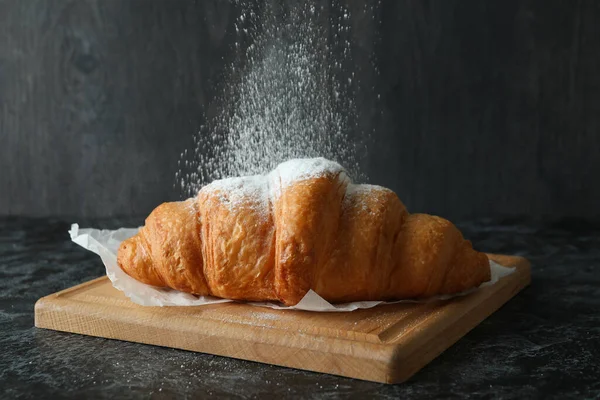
(303, 226)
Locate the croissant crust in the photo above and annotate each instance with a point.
(275, 237)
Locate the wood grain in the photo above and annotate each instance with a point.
(486, 108)
(96, 94)
(385, 344)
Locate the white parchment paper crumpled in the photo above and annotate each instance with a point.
(106, 243)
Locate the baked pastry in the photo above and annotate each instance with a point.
(303, 226)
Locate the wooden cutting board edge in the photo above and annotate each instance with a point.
(386, 362)
(413, 362)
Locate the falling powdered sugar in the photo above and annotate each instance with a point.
(289, 93)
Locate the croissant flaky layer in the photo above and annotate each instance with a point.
(304, 226)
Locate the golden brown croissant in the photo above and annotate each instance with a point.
(304, 226)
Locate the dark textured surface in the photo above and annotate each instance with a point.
(544, 343)
(487, 107)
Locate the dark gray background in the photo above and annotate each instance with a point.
(490, 108)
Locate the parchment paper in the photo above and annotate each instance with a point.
(106, 243)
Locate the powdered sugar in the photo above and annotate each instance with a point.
(247, 191)
(299, 169)
(257, 190)
(290, 93)
(353, 190)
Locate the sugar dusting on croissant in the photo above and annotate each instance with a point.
(303, 226)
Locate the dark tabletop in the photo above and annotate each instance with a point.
(544, 343)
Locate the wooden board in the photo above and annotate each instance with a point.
(387, 343)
